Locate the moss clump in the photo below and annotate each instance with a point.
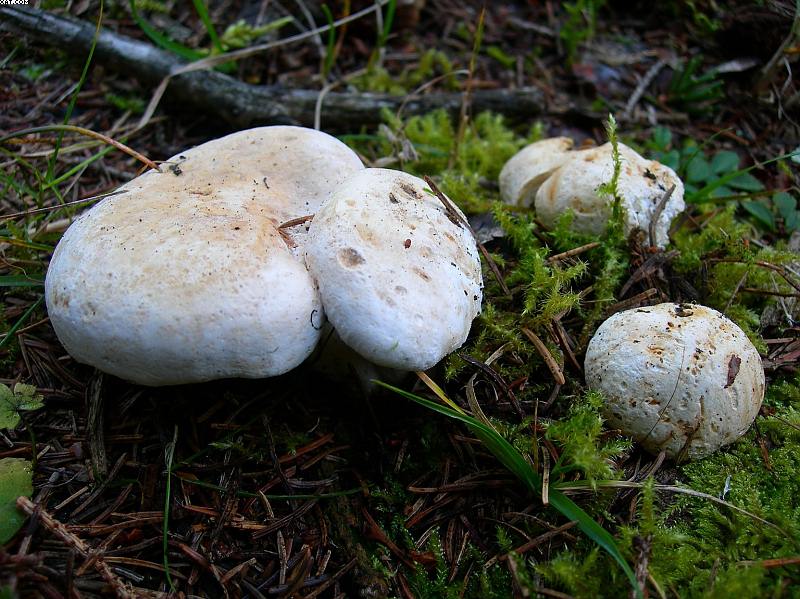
(432, 63)
(580, 437)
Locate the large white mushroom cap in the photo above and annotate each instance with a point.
(677, 377)
(185, 277)
(400, 280)
(642, 184)
(526, 170)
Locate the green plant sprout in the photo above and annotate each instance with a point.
(718, 178)
(692, 92)
(580, 25)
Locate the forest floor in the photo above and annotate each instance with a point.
(306, 487)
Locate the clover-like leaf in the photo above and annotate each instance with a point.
(16, 479)
(22, 398)
(746, 182)
(761, 213)
(724, 162)
(698, 170)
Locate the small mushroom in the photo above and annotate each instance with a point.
(642, 184)
(398, 272)
(677, 377)
(524, 173)
(185, 277)
(554, 178)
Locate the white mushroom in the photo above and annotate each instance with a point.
(399, 276)
(185, 276)
(642, 184)
(677, 377)
(529, 168)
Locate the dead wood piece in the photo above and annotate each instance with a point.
(240, 104)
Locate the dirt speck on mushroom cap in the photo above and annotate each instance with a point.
(678, 377)
(400, 281)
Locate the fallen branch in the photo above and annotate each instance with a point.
(241, 104)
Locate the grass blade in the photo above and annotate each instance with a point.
(512, 459)
(169, 453)
(202, 11)
(330, 47)
(22, 319)
(20, 281)
(162, 40)
(51, 166)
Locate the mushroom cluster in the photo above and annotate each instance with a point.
(677, 377)
(186, 275)
(553, 178)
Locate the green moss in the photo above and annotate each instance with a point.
(432, 64)
(579, 436)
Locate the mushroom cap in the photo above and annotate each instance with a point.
(400, 281)
(185, 277)
(641, 185)
(526, 170)
(677, 377)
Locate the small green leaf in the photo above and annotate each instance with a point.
(761, 213)
(746, 182)
(662, 138)
(785, 203)
(724, 162)
(672, 159)
(792, 221)
(9, 418)
(26, 397)
(16, 479)
(22, 398)
(722, 192)
(698, 170)
(504, 59)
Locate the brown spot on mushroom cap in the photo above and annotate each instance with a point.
(350, 258)
(733, 369)
(422, 274)
(409, 190)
